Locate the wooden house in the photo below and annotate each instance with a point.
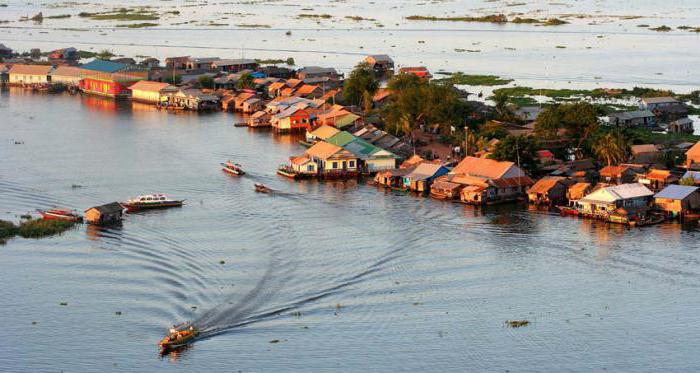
(645, 153)
(273, 90)
(617, 174)
(252, 105)
(656, 179)
(309, 91)
(292, 119)
(371, 158)
(492, 181)
(151, 92)
(380, 63)
(422, 175)
(191, 99)
(628, 119)
(332, 161)
(419, 71)
(692, 157)
(578, 191)
(604, 201)
(444, 189)
(177, 63)
(259, 119)
(65, 54)
(309, 72)
(392, 178)
(105, 214)
(66, 75)
(28, 75)
(234, 65)
(682, 125)
(323, 132)
(548, 190)
(201, 63)
(678, 200)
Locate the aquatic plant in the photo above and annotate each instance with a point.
(7, 230)
(138, 25)
(517, 323)
(38, 228)
(465, 79)
(662, 28)
(493, 18)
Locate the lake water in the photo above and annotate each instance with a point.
(602, 46)
(346, 277)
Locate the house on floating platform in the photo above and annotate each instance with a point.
(323, 132)
(106, 214)
(605, 201)
(578, 191)
(678, 200)
(259, 119)
(382, 64)
(110, 79)
(394, 178)
(420, 177)
(151, 92)
(656, 179)
(30, 75)
(234, 65)
(292, 119)
(617, 174)
(419, 71)
(190, 99)
(67, 75)
(692, 157)
(548, 190)
(682, 125)
(332, 161)
(484, 181)
(645, 153)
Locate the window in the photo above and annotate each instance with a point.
(335, 165)
(310, 167)
(351, 164)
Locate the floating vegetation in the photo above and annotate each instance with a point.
(252, 25)
(38, 228)
(275, 341)
(662, 28)
(517, 323)
(138, 25)
(59, 16)
(465, 79)
(314, 16)
(272, 61)
(7, 230)
(493, 18)
(561, 46)
(122, 15)
(359, 18)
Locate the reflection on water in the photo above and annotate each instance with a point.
(407, 282)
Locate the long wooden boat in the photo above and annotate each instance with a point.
(287, 172)
(61, 214)
(566, 210)
(261, 188)
(232, 168)
(151, 201)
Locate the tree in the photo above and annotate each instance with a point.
(611, 147)
(687, 181)
(362, 79)
(493, 130)
(290, 61)
(579, 121)
(245, 81)
(503, 110)
(105, 54)
(518, 149)
(173, 79)
(206, 81)
(401, 82)
(548, 123)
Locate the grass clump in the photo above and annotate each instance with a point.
(517, 323)
(7, 231)
(308, 15)
(554, 22)
(38, 228)
(138, 25)
(662, 28)
(493, 18)
(58, 16)
(485, 80)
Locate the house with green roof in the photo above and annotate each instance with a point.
(372, 158)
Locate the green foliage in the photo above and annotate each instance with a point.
(86, 54)
(290, 61)
(173, 79)
(579, 120)
(362, 79)
(246, 81)
(673, 157)
(687, 181)
(484, 80)
(7, 230)
(206, 81)
(493, 130)
(493, 18)
(41, 228)
(611, 148)
(105, 54)
(518, 149)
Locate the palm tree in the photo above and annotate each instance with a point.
(611, 147)
(503, 110)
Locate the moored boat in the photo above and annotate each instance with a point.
(178, 336)
(61, 214)
(151, 201)
(232, 168)
(287, 171)
(566, 210)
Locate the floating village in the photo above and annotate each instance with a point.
(406, 130)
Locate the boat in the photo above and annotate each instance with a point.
(232, 168)
(261, 188)
(287, 171)
(567, 210)
(178, 336)
(150, 201)
(61, 214)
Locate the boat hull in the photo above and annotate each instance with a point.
(49, 215)
(233, 172)
(133, 207)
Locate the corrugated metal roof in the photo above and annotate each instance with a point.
(341, 138)
(104, 66)
(676, 192)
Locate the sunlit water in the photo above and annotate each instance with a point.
(345, 276)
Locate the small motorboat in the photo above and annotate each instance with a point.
(178, 336)
(233, 168)
(151, 201)
(261, 188)
(61, 214)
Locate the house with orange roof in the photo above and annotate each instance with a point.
(381, 97)
(21, 74)
(656, 179)
(273, 90)
(692, 157)
(68, 75)
(325, 160)
(309, 91)
(151, 92)
(294, 118)
(293, 83)
(548, 190)
(617, 174)
(487, 181)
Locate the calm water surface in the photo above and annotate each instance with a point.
(345, 276)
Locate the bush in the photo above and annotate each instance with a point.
(7, 230)
(41, 228)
